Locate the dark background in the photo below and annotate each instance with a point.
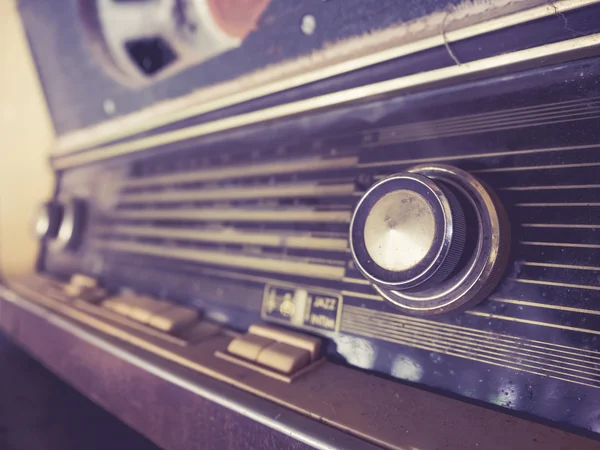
(40, 411)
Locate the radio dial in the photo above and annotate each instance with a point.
(430, 239)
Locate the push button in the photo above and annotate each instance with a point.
(279, 350)
(117, 305)
(157, 314)
(284, 358)
(173, 318)
(85, 288)
(311, 344)
(142, 308)
(249, 346)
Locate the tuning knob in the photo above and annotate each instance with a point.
(430, 239)
(69, 225)
(48, 219)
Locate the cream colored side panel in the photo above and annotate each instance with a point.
(26, 135)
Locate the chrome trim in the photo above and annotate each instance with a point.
(43, 222)
(541, 54)
(67, 230)
(241, 215)
(231, 236)
(80, 140)
(239, 193)
(260, 169)
(482, 273)
(227, 259)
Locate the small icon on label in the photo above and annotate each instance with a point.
(301, 307)
(287, 307)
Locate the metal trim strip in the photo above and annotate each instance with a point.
(547, 54)
(229, 259)
(242, 193)
(228, 236)
(247, 171)
(78, 141)
(241, 215)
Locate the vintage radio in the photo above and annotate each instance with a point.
(329, 224)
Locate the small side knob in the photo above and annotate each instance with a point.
(48, 220)
(72, 225)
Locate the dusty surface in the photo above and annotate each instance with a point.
(39, 411)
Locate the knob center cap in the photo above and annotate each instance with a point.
(399, 230)
(402, 231)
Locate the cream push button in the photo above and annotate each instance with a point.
(276, 349)
(173, 318)
(248, 346)
(431, 239)
(118, 305)
(142, 308)
(162, 315)
(284, 358)
(85, 288)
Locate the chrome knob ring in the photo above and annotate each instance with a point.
(431, 239)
